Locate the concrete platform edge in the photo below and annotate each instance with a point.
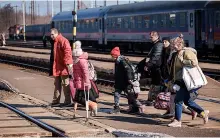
(7, 86)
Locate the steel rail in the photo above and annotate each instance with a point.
(26, 65)
(40, 46)
(41, 124)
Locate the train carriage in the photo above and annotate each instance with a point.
(129, 25)
(36, 32)
(89, 25)
(212, 30)
(133, 22)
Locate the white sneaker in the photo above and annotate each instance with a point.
(175, 123)
(206, 117)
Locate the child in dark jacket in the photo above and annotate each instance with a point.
(124, 81)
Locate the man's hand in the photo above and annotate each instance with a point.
(146, 68)
(70, 70)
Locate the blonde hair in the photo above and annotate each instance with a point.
(179, 41)
(54, 30)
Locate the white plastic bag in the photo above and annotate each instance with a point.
(193, 77)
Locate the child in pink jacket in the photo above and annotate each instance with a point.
(81, 78)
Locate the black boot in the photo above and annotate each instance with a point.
(116, 110)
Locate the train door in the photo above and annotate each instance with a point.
(198, 28)
(191, 29)
(210, 28)
(100, 30)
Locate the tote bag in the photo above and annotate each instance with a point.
(193, 77)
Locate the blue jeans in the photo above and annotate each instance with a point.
(183, 96)
(117, 96)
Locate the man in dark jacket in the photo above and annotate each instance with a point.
(154, 64)
(124, 81)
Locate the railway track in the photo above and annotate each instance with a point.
(38, 45)
(214, 75)
(55, 131)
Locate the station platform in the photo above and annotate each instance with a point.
(41, 87)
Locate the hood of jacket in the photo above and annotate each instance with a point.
(119, 59)
(84, 55)
(190, 48)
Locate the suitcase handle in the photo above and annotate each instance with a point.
(87, 101)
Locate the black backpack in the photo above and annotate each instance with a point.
(133, 69)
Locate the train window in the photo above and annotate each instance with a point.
(118, 23)
(139, 22)
(65, 24)
(62, 25)
(191, 20)
(182, 19)
(71, 24)
(82, 24)
(87, 24)
(113, 23)
(100, 23)
(163, 20)
(172, 20)
(146, 21)
(126, 22)
(155, 21)
(217, 18)
(108, 22)
(132, 22)
(96, 23)
(58, 25)
(92, 23)
(78, 24)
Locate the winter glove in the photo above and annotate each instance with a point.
(146, 68)
(176, 87)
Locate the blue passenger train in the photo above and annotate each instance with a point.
(129, 25)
